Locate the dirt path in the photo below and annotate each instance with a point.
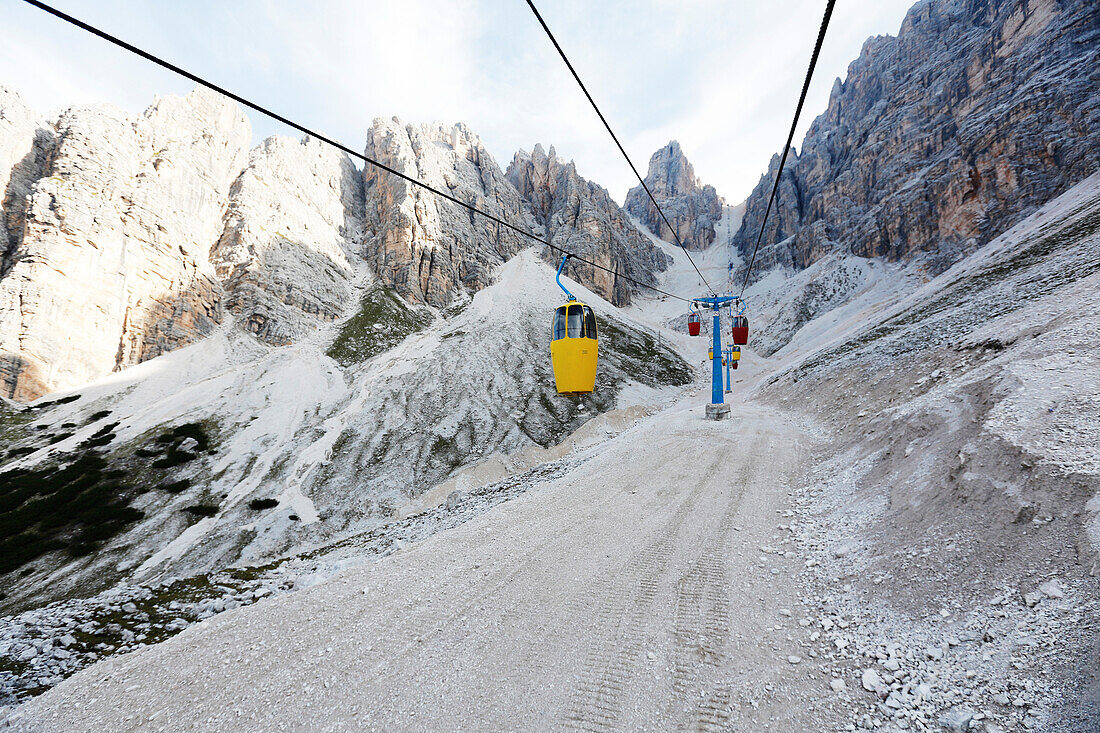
(629, 594)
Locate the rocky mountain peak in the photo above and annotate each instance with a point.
(941, 137)
(291, 240)
(580, 216)
(692, 208)
(109, 265)
(670, 172)
(427, 248)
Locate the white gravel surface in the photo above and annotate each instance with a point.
(629, 593)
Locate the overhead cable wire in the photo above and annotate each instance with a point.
(339, 146)
(617, 143)
(790, 136)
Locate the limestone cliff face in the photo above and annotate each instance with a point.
(941, 138)
(692, 208)
(127, 238)
(290, 249)
(580, 216)
(110, 266)
(427, 248)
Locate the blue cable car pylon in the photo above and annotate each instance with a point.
(718, 409)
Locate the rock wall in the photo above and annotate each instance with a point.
(427, 248)
(109, 266)
(289, 253)
(127, 237)
(692, 208)
(580, 216)
(943, 137)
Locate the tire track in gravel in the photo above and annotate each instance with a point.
(703, 620)
(623, 603)
(423, 628)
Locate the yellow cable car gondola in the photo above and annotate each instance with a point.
(574, 344)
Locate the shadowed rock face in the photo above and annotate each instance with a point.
(692, 208)
(941, 138)
(24, 141)
(427, 248)
(581, 217)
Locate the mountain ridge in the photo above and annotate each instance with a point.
(690, 207)
(971, 117)
(182, 224)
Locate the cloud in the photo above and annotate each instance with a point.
(722, 78)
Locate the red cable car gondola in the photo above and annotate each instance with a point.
(693, 324)
(740, 330)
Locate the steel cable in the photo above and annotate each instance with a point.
(790, 136)
(617, 143)
(339, 146)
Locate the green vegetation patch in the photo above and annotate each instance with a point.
(177, 487)
(97, 416)
(174, 457)
(642, 356)
(55, 403)
(72, 503)
(77, 501)
(168, 445)
(13, 429)
(260, 504)
(384, 320)
(14, 425)
(455, 309)
(192, 430)
(447, 453)
(201, 510)
(101, 437)
(23, 450)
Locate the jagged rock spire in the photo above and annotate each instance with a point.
(691, 207)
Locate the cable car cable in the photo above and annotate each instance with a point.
(790, 136)
(619, 144)
(339, 146)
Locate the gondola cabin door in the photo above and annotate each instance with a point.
(574, 347)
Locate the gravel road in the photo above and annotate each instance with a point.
(630, 593)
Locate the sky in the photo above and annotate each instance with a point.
(720, 76)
